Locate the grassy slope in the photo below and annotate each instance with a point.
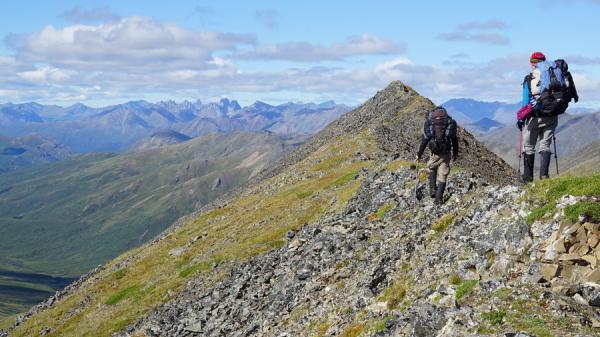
(251, 223)
(585, 161)
(105, 204)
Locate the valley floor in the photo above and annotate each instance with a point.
(21, 291)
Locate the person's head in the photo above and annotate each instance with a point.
(536, 58)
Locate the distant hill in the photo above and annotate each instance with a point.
(468, 111)
(585, 161)
(29, 150)
(161, 139)
(483, 126)
(117, 128)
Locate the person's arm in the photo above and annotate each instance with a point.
(422, 147)
(454, 141)
(526, 98)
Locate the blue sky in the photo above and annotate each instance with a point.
(104, 52)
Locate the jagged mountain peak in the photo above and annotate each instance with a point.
(226, 105)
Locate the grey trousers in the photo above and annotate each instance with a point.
(539, 129)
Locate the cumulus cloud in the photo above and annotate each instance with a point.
(364, 44)
(491, 38)
(94, 15)
(130, 44)
(483, 25)
(270, 18)
(479, 32)
(583, 60)
(47, 75)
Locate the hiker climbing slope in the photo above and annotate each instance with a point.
(547, 91)
(439, 132)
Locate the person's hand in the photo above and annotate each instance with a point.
(520, 124)
(417, 159)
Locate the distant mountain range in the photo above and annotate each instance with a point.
(33, 149)
(116, 128)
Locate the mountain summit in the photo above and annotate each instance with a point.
(395, 116)
(337, 240)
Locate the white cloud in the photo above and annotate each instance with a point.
(584, 84)
(483, 25)
(130, 44)
(47, 75)
(583, 60)
(98, 14)
(478, 31)
(364, 44)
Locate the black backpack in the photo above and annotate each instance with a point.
(569, 83)
(439, 128)
(555, 99)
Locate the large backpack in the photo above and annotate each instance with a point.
(554, 99)
(439, 129)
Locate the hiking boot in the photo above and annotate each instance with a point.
(432, 183)
(528, 167)
(439, 194)
(545, 164)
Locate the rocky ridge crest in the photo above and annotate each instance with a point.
(388, 263)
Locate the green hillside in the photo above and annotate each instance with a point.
(584, 162)
(63, 219)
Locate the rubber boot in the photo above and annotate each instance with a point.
(528, 160)
(439, 194)
(545, 164)
(432, 183)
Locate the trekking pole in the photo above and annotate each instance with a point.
(416, 181)
(555, 155)
(521, 148)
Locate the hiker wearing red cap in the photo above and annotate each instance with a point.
(547, 91)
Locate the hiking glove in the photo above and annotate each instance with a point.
(520, 124)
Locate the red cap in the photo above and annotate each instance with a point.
(537, 57)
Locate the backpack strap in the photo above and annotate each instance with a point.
(450, 127)
(528, 80)
(428, 127)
